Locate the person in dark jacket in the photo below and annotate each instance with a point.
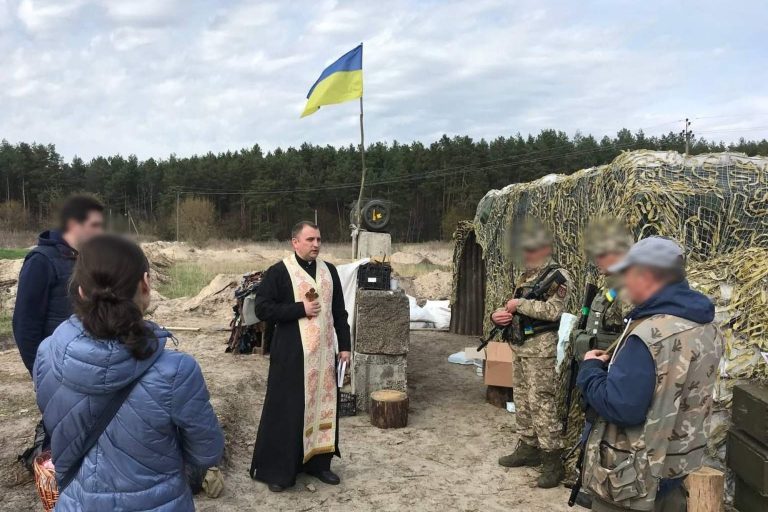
(661, 376)
(166, 422)
(42, 299)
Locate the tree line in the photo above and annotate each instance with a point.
(250, 194)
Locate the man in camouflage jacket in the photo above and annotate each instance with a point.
(535, 382)
(653, 396)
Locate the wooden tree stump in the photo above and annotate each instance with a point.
(705, 490)
(389, 409)
(498, 396)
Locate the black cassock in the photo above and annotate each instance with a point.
(278, 454)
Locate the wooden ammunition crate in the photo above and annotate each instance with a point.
(750, 410)
(746, 499)
(749, 460)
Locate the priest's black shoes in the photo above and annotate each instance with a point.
(327, 477)
(276, 487)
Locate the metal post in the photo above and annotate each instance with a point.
(362, 178)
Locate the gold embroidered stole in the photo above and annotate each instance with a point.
(318, 341)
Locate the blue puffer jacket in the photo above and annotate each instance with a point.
(166, 422)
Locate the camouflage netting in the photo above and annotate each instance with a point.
(463, 230)
(716, 205)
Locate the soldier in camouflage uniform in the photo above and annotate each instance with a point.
(605, 320)
(607, 244)
(653, 396)
(534, 377)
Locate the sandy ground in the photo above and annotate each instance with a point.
(444, 460)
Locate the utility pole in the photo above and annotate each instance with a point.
(178, 194)
(687, 134)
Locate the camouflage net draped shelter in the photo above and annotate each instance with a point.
(715, 205)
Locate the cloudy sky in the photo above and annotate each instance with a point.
(155, 77)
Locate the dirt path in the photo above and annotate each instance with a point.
(444, 460)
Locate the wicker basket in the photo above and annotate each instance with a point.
(45, 481)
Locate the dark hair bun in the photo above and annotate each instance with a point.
(105, 295)
(109, 270)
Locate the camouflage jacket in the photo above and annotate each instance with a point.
(624, 465)
(543, 344)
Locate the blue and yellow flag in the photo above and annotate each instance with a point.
(341, 81)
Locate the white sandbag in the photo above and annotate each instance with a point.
(438, 312)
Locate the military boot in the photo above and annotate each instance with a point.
(524, 455)
(552, 470)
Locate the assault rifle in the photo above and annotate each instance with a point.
(522, 325)
(590, 292)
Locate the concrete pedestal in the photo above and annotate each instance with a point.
(372, 372)
(382, 324)
(373, 245)
(382, 336)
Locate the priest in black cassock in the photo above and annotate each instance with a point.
(299, 430)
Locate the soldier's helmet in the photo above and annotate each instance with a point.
(533, 235)
(607, 236)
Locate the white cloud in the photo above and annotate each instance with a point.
(41, 15)
(153, 77)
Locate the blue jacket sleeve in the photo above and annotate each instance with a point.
(622, 395)
(201, 435)
(32, 306)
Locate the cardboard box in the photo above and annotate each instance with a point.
(498, 364)
(473, 353)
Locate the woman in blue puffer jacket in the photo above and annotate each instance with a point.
(166, 422)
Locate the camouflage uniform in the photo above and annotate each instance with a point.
(535, 382)
(605, 321)
(623, 465)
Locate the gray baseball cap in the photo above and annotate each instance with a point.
(654, 251)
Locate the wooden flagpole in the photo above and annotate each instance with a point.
(362, 180)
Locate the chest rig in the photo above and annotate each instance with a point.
(600, 332)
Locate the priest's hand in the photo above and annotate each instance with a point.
(345, 356)
(312, 309)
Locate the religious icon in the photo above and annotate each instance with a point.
(312, 295)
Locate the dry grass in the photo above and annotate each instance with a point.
(188, 278)
(17, 238)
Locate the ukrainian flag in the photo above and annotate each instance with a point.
(341, 81)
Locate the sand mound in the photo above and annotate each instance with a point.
(9, 272)
(406, 258)
(171, 251)
(214, 303)
(435, 285)
(9, 279)
(444, 260)
(220, 289)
